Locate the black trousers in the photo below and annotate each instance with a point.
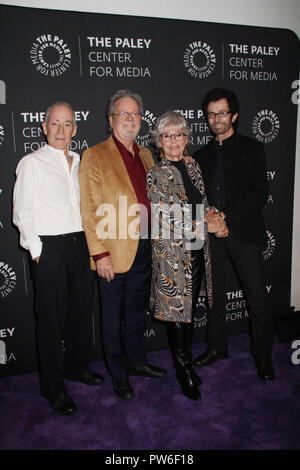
(198, 269)
(247, 262)
(124, 305)
(63, 304)
(180, 335)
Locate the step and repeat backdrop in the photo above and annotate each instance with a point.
(83, 58)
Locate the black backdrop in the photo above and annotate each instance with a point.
(83, 58)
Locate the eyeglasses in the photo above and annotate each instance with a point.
(124, 115)
(168, 137)
(220, 114)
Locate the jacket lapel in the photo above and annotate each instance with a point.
(119, 165)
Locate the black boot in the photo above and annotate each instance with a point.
(180, 346)
(188, 340)
(198, 270)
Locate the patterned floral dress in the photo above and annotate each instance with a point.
(171, 284)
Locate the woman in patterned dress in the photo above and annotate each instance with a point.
(181, 220)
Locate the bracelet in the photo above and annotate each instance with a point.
(218, 212)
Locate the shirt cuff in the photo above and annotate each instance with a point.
(36, 249)
(101, 255)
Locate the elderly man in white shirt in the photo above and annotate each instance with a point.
(46, 209)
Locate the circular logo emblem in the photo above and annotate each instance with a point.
(50, 55)
(265, 126)
(200, 317)
(1, 134)
(270, 246)
(8, 279)
(147, 122)
(199, 59)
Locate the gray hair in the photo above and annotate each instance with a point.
(169, 118)
(59, 103)
(123, 94)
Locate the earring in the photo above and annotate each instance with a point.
(161, 154)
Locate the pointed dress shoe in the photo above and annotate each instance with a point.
(265, 370)
(123, 389)
(196, 379)
(63, 404)
(188, 385)
(209, 357)
(147, 370)
(87, 378)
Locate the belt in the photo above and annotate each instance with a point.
(62, 235)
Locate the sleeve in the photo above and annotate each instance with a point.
(169, 220)
(158, 196)
(91, 198)
(24, 206)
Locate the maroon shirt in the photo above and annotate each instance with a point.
(137, 175)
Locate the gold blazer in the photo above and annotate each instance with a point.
(109, 205)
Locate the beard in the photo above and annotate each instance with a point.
(130, 131)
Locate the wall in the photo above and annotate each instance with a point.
(269, 13)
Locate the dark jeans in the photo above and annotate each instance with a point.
(124, 305)
(63, 303)
(247, 262)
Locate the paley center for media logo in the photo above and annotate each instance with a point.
(148, 120)
(33, 133)
(200, 317)
(50, 55)
(8, 279)
(199, 59)
(270, 246)
(266, 126)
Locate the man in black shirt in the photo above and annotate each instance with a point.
(234, 173)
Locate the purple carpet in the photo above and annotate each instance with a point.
(237, 411)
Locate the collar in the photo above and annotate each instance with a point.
(167, 163)
(122, 148)
(61, 153)
(229, 141)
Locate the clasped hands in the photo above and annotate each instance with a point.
(216, 223)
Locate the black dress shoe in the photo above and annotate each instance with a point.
(196, 379)
(123, 389)
(87, 378)
(265, 370)
(63, 404)
(188, 386)
(209, 357)
(147, 371)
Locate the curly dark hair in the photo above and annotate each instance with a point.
(217, 94)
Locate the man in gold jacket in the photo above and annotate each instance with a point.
(116, 214)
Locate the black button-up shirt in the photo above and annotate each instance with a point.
(217, 189)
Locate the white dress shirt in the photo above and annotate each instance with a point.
(46, 197)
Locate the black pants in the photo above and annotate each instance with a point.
(198, 269)
(124, 305)
(180, 335)
(63, 304)
(247, 262)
